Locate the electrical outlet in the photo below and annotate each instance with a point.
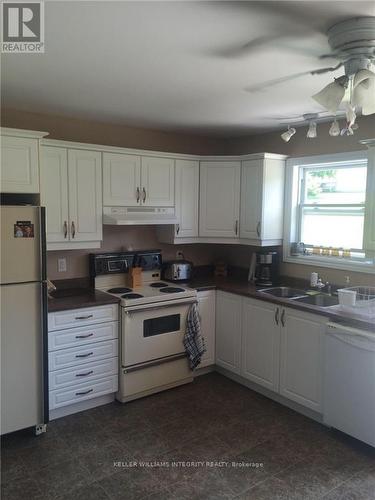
(179, 254)
(61, 265)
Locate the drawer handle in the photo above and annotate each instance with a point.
(84, 393)
(85, 374)
(84, 355)
(84, 317)
(84, 336)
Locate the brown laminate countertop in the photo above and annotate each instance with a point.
(77, 298)
(246, 289)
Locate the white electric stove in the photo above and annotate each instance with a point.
(153, 322)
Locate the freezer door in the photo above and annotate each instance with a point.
(21, 244)
(21, 356)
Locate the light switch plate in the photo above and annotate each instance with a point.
(61, 265)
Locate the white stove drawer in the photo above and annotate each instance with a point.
(82, 355)
(82, 392)
(62, 339)
(69, 377)
(78, 317)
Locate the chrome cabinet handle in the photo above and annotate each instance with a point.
(84, 336)
(258, 229)
(84, 392)
(84, 355)
(277, 313)
(138, 194)
(85, 374)
(283, 317)
(144, 194)
(65, 229)
(73, 229)
(236, 227)
(177, 228)
(84, 317)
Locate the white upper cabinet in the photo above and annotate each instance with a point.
(219, 199)
(187, 198)
(261, 343)
(121, 180)
(301, 360)
(54, 192)
(157, 179)
(71, 191)
(20, 161)
(262, 200)
(85, 195)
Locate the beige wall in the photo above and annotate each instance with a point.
(118, 239)
(72, 129)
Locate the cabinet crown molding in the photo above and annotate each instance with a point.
(17, 132)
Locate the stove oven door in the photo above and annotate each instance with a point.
(152, 332)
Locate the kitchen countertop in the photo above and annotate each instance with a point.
(244, 288)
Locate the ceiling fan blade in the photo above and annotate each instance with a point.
(270, 83)
(247, 48)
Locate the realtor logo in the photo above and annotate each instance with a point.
(22, 27)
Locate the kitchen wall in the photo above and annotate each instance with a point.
(78, 130)
(118, 239)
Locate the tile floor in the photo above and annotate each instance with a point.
(92, 455)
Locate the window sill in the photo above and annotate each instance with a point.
(332, 262)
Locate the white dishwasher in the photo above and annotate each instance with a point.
(349, 381)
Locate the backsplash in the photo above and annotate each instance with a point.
(117, 239)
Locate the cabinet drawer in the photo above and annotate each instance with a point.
(69, 377)
(62, 339)
(86, 316)
(82, 392)
(81, 355)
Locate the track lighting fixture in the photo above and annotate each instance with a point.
(334, 130)
(286, 136)
(311, 132)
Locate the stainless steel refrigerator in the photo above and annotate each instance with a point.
(24, 391)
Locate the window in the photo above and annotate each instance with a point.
(328, 209)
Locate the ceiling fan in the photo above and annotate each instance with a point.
(353, 44)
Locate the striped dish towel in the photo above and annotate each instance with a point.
(193, 341)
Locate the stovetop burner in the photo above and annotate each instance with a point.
(171, 289)
(120, 289)
(132, 296)
(158, 284)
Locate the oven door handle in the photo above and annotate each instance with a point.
(154, 362)
(159, 305)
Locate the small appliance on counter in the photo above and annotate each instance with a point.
(264, 268)
(177, 270)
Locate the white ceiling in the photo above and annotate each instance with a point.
(161, 64)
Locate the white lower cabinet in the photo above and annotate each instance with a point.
(260, 343)
(228, 331)
(206, 306)
(82, 357)
(301, 359)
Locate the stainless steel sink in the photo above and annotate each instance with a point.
(319, 300)
(285, 292)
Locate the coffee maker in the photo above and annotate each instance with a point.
(264, 268)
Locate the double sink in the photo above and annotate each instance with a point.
(295, 294)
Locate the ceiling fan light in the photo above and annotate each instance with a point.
(331, 96)
(364, 91)
(288, 134)
(312, 132)
(334, 130)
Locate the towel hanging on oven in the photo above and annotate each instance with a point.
(193, 341)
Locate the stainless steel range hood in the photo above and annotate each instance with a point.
(132, 216)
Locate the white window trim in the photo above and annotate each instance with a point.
(290, 213)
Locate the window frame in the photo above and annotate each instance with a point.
(293, 208)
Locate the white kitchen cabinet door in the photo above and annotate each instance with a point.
(219, 199)
(228, 331)
(157, 180)
(121, 180)
(54, 192)
(301, 360)
(85, 195)
(19, 165)
(187, 198)
(261, 343)
(206, 306)
(262, 198)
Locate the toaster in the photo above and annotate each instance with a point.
(177, 270)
